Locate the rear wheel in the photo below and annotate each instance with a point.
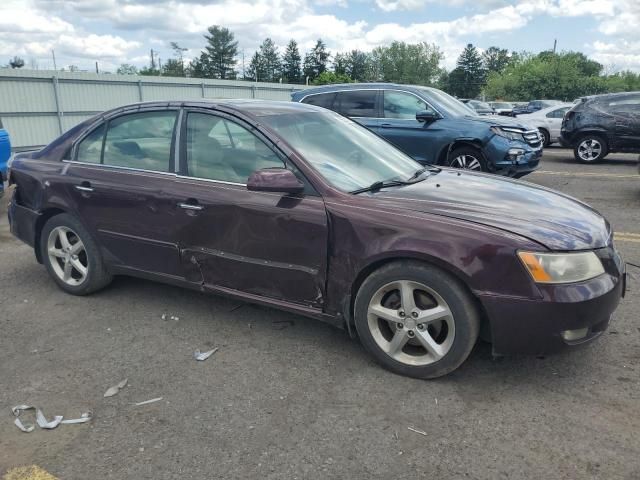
(71, 256)
(467, 158)
(416, 320)
(590, 148)
(546, 138)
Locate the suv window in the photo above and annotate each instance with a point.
(358, 103)
(218, 149)
(403, 105)
(324, 100)
(557, 113)
(629, 103)
(140, 140)
(90, 148)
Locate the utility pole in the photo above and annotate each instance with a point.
(97, 71)
(555, 44)
(53, 54)
(243, 72)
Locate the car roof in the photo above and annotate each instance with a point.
(250, 106)
(545, 110)
(359, 86)
(609, 95)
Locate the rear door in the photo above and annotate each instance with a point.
(120, 180)
(401, 128)
(265, 244)
(626, 113)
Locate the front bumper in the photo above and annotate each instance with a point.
(535, 326)
(502, 163)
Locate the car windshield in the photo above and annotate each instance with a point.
(501, 105)
(346, 154)
(481, 105)
(444, 101)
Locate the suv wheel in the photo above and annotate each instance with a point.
(467, 158)
(590, 149)
(416, 319)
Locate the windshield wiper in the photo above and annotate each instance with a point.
(375, 186)
(416, 175)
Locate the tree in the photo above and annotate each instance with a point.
(326, 78)
(357, 65)
(467, 79)
(256, 70)
(219, 59)
(178, 52)
(400, 62)
(291, 68)
(127, 69)
(495, 59)
(173, 68)
(16, 62)
(340, 63)
(315, 61)
(266, 62)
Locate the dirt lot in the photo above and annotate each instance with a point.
(305, 401)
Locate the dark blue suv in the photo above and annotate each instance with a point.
(433, 127)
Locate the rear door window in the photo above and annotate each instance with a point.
(140, 140)
(357, 103)
(626, 104)
(324, 100)
(90, 148)
(557, 113)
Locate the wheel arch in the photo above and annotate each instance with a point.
(460, 142)
(379, 262)
(44, 217)
(592, 131)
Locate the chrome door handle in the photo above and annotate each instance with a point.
(190, 206)
(83, 189)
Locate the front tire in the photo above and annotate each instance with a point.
(546, 138)
(590, 148)
(416, 320)
(467, 158)
(71, 256)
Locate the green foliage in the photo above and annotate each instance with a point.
(467, 79)
(326, 78)
(400, 62)
(173, 68)
(149, 71)
(265, 63)
(495, 59)
(315, 61)
(127, 69)
(218, 59)
(563, 76)
(291, 67)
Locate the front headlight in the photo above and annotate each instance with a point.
(562, 267)
(510, 133)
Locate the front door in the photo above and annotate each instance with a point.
(626, 113)
(265, 244)
(401, 128)
(119, 180)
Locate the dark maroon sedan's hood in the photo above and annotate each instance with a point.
(550, 218)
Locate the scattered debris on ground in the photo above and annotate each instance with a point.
(146, 402)
(421, 432)
(41, 419)
(202, 356)
(116, 388)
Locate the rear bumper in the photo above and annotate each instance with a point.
(22, 222)
(525, 326)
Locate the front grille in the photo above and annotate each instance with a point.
(532, 137)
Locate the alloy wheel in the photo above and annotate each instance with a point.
(467, 162)
(589, 150)
(411, 323)
(67, 256)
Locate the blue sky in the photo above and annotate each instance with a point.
(122, 31)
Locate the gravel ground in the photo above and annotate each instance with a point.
(299, 399)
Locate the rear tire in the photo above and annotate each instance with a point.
(546, 139)
(71, 256)
(590, 148)
(467, 158)
(416, 320)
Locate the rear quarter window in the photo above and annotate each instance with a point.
(324, 100)
(360, 103)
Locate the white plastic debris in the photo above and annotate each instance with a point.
(116, 388)
(421, 432)
(164, 316)
(41, 419)
(146, 402)
(202, 356)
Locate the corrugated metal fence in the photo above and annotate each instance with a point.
(37, 106)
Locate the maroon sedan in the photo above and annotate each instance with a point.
(296, 207)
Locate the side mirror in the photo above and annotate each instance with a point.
(278, 180)
(426, 116)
